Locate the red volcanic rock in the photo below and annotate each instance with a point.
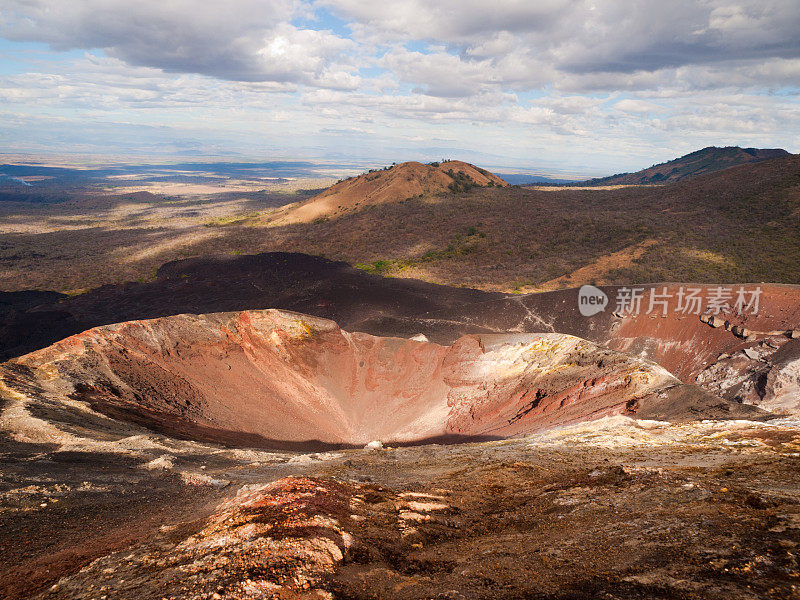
(732, 361)
(280, 540)
(685, 344)
(275, 378)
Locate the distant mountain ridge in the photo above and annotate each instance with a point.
(525, 179)
(707, 160)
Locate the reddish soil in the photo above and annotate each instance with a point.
(680, 342)
(486, 522)
(684, 345)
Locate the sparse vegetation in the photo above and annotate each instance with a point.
(384, 267)
(695, 163)
(461, 182)
(232, 220)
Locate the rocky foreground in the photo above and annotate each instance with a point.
(617, 508)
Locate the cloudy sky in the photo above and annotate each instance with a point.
(550, 86)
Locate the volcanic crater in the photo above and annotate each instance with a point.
(279, 379)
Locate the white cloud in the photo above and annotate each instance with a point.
(610, 43)
(632, 106)
(246, 40)
(451, 21)
(552, 77)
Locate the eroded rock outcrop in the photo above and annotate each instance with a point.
(781, 391)
(276, 540)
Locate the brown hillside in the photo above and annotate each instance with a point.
(406, 180)
(737, 224)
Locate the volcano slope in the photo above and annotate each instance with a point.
(392, 184)
(150, 431)
(693, 164)
(748, 358)
(299, 282)
(738, 224)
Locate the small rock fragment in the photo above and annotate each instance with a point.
(740, 331)
(162, 463)
(750, 353)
